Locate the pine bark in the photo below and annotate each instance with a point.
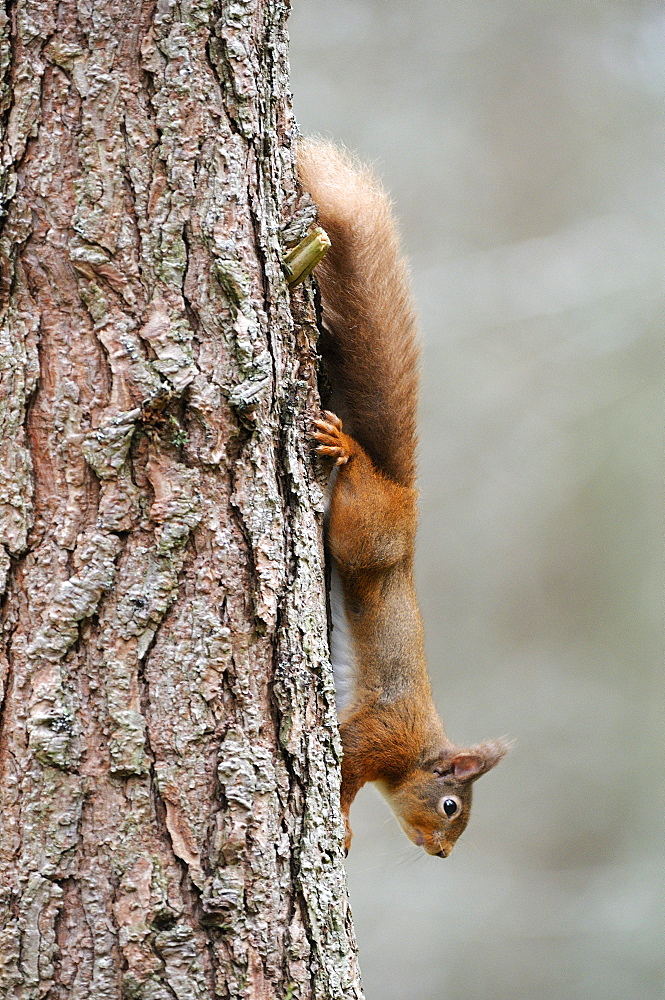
(169, 760)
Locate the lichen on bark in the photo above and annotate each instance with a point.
(169, 759)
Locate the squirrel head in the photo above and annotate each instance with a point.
(433, 801)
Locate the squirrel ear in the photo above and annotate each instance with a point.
(467, 765)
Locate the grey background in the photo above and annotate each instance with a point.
(523, 144)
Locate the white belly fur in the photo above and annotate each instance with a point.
(342, 653)
(341, 647)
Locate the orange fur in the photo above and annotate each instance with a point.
(391, 733)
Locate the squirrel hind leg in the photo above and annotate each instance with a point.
(333, 442)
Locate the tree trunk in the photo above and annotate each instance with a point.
(168, 753)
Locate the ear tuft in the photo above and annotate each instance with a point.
(467, 765)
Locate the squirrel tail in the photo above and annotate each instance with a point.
(370, 345)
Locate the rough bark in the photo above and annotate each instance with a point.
(168, 752)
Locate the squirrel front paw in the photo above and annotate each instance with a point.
(348, 835)
(334, 443)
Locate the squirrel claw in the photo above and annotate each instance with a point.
(326, 428)
(332, 452)
(332, 418)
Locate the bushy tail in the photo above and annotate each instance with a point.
(371, 346)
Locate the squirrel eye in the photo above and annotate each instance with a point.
(449, 806)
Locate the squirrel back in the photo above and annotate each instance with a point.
(370, 345)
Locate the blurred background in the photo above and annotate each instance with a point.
(523, 145)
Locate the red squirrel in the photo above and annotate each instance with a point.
(391, 732)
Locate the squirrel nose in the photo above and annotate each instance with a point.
(442, 854)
